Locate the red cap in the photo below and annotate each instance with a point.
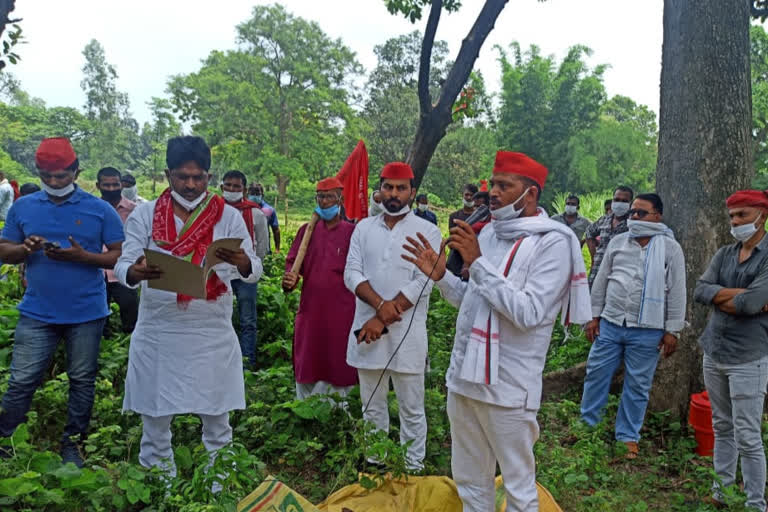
(743, 198)
(329, 184)
(55, 154)
(509, 162)
(397, 171)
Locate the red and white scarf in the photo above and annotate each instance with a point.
(194, 239)
(246, 208)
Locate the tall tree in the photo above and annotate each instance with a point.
(154, 137)
(435, 116)
(274, 104)
(115, 138)
(705, 153)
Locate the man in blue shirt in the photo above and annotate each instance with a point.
(256, 194)
(422, 209)
(59, 234)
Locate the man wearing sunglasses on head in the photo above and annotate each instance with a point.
(638, 305)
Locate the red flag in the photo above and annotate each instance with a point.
(354, 176)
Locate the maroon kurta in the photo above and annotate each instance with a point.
(326, 309)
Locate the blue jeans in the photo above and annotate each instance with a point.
(247, 294)
(639, 348)
(737, 395)
(34, 345)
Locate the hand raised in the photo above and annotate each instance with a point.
(424, 256)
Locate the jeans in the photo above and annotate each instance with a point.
(737, 394)
(128, 300)
(34, 346)
(639, 348)
(247, 294)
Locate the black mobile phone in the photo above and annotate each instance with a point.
(357, 332)
(51, 245)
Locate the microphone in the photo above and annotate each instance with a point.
(480, 213)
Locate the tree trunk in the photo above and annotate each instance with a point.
(705, 154)
(434, 119)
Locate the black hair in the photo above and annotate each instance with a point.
(28, 188)
(235, 174)
(107, 171)
(74, 166)
(654, 199)
(254, 186)
(624, 188)
(483, 196)
(472, 188)
(413, 182)
(574, 196)
(419, 197)
(185, 149)
(128, 178)
(608, 202)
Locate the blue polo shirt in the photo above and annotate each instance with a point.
(60, 292)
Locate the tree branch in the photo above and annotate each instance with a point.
(470, 49)
(425, 99)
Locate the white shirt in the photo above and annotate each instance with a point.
(6, 198)
(375, 256)
(260, 233)
(184, 360)
(526, 313)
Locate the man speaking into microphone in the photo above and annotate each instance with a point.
(524, 270)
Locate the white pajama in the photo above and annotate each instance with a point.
(409, 389)
(482, 434)
(321, 387)
(156, 449)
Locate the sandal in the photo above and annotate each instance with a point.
(632, 450)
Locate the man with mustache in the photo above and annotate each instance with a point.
(387, 287)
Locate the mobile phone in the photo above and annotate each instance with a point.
(51, 245)
(357, 332)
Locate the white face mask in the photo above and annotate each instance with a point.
(509, 212)
(188, 205)
(620, 209)
(422, 207)
(130, 193)
(232, 197)
(744, 232)
(58, 192)
(469, 204)
(571, 209)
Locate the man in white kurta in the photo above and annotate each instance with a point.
(184, 355)
(389, 291)
(524, 270)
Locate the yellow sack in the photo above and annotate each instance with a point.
(274, 496)
(416, 494)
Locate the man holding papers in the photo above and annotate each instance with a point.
(184, 355)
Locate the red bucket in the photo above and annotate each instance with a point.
(700, 419)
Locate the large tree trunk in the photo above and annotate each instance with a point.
(434, 119)
(705, 154)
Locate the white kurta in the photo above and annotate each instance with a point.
(527, 303)
(375, 256)
(184, 360)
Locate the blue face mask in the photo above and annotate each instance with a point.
(255, 199)
(327, 213)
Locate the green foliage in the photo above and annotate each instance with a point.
(412, 9)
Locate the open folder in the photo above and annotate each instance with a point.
(183, 277)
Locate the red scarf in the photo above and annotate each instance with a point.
(245, 208)
(195, 237)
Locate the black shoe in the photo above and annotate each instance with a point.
(71, 453)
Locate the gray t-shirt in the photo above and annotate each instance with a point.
(743, 337)
(579, 226)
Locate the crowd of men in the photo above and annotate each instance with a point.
(512, 272)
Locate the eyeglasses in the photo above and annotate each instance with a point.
(640, 214)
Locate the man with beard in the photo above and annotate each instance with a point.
(184, 355)
(524, 270)
(108, 184)
(387, 288)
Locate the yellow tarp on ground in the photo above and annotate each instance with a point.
(416, 494)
